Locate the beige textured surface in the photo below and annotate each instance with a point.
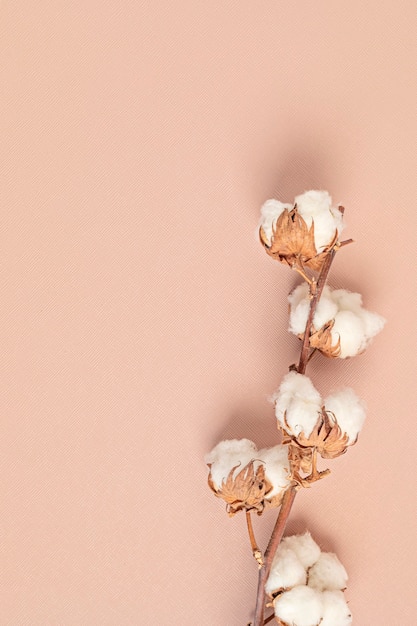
(141, 321)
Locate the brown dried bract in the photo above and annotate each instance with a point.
(292, 242)
(300, 458)
(245, 491)
(322, 340)
(326, 437)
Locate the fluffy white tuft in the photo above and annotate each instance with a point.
(276, 468)
(348, 328)
(368, 324)
(297, 404)
(353, 325)
(228, 454)
(326, 310)
(299, 308)
(299, 300)
(301, 606)
(327, 574)
(315, 206)
(270, 212)
(286, 571)
(304, 547)
(348, 410)
(335, 609)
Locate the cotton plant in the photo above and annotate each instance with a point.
(303, 585)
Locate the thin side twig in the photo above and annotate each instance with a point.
(255, 550)
(276, 537)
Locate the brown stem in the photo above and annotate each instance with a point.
(305, 348)
(255, 550)
(276, 537)
(269, 619)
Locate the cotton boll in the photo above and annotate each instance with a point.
(327, 574)
(286, 571)
(349, 328)
(353, 325)
(270, 212)
(335, 609)
(298, 403)
(304, 547)
(348, 410)
(301, 606)
(276, 468)
(228, 454)
(372, 323)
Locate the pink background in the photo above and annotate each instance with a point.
(141, 321)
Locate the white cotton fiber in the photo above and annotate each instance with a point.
(299, 307)
(347, 300)
(366, 327)
(276, 468)
(327, 574)
(299, 300)
(311, 203)
(237, 453)
(301, 606)
(326, 310)
(348, 410)
(297, 404)
(304, 547)
(335, 609)
(270, 212)
(228, 454)
(349, 329)
(315, 206)
(286, 571)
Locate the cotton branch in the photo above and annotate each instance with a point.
(290, 494)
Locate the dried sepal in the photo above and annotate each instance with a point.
(245, 491)
(322, 340)
(292, 242)
(326, 437)
(300, 458)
